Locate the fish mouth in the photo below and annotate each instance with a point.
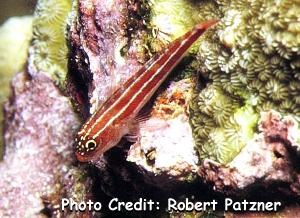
(86, 156)
(82, 158)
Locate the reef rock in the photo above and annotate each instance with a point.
(98, 34)
(38, 153)
(15, 35)
(37, 170)
(271, 157)
(165, 147)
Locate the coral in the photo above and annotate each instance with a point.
(251, 61)
(268, 157)
(246, 64)
(110, 55)
(222, 124)
(171, 19)
(15, 35)
(49, 49)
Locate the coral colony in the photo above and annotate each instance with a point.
(248, 64)
(49, 45)
(251, 62)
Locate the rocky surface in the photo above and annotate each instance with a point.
(38, 137)
(15, 35)
(98, 34)
(271, 157)
(165, 147)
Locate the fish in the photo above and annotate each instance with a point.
(117, 117)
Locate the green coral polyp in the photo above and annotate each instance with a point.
(214, 104)
(221, 124)
(253, 52)
(52, 11)
(282, 26)
(276, 90)
(49, 44)
(174, 18)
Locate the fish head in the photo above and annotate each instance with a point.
(92, 146)
(86, 148)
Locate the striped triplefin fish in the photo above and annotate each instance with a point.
(116, 117)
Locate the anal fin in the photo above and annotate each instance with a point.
(135, 125)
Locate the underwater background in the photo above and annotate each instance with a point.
(228, 115)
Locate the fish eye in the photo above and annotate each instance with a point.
(90, 145)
